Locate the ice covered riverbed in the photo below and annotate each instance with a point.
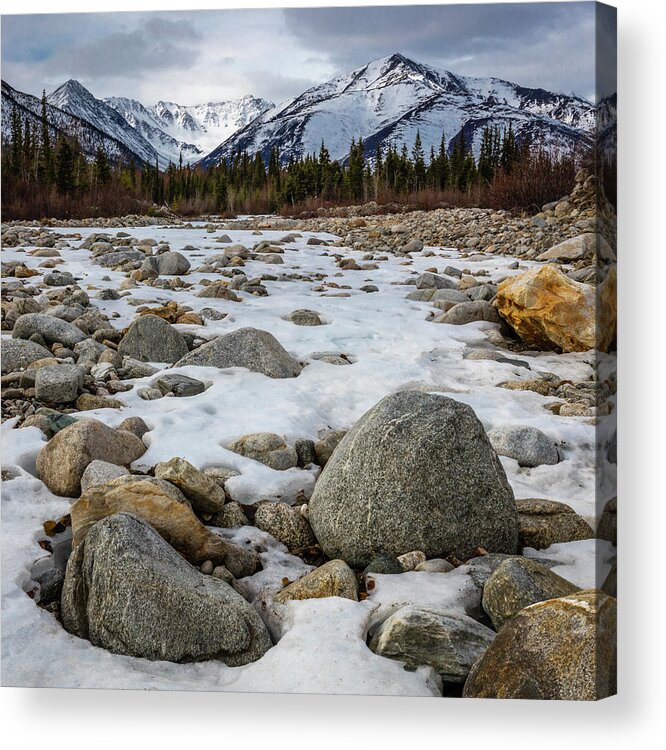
(392, 346)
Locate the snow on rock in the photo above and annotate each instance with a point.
(586, 563)
(324, 651)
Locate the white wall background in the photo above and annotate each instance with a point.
(104, 719)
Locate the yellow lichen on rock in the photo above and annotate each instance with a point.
(550, 311)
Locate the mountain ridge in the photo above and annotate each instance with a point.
(386, 101)
(389, 99)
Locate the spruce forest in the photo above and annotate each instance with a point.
(43, 178)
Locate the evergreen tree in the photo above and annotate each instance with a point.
(510, 153)
(16, 163)
(418, 160)
(28, 152)
(443, 168)
(64, 166)
(102, 169)
(45, 167)
(485, 165)
(355, 170)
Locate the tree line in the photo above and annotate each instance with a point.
(45, 178)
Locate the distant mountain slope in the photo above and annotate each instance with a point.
(74, 98)
(207, 125)
(152, 129)
(388, 100)
(89, 136)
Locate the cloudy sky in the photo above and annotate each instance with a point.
(198, 56)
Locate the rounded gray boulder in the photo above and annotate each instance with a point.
(151, 339)
(50, 328)
(415, 472)
(252, 348)
(17, 354)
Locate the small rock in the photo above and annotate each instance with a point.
(410, 560)
(286, 524)
(385, 564)
(304, 318)
(545, 522)
(470, 312)
(49, 328)
(180, 385)
(305, 450)
(267, 448)
(518, 582)
(58, 384)
(62, 461)
(17, 354)
(135, 425)
(252, 348)
(527, 445)
(88, 402)
(324, 448)
(202, 491)
(436, 565)
(152, 339)
(101, 472)
(334, 578)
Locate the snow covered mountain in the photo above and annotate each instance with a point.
(207, 125)
(74, 98)
(193, 130)
(152, 129)
(388, 100)
(164, 131)
(88, 135)
(385, 101)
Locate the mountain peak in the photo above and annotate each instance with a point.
(73, 86)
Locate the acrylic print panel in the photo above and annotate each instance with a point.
(308, 356)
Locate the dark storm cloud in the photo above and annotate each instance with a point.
(160, 44)
(538, 44)
(98, 51)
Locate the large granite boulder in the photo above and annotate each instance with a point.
(560, 649)
(416, 472)
(128, 591)
(252, 348)
(62, 461)
(550, 311)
